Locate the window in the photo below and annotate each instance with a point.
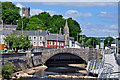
(62, 43)
(58, 43)
(50, 43)
(40, 38)
(35, 37)
(41, 44)
(54, 43)
(34, 44)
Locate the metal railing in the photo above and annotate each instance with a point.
(104, 70)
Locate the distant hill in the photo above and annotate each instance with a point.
(101, 38)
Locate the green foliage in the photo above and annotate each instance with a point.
(7, 70)
(90, 42)
(108, 41)
(10, 51)
(10, 13)
(44, 21)
(18, 42)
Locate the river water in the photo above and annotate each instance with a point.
(59, 65)
(43, 74)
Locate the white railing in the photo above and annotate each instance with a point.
(104, 70)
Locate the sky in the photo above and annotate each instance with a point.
(98, 19)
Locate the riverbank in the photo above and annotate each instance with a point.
(28, 72)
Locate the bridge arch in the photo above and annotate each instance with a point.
(64, 59)
(85, 54)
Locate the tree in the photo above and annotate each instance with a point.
(18, 41)
(10, 16)
(108, 41)
(7, 70)
(51, 23)
(90, 42)
(10, 13)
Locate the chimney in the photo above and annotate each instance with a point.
(40, 30)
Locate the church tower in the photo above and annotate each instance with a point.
(66, 34)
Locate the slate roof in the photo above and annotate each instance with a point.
(5, 32)
(9, 26)
(32, 33)
(55, 37)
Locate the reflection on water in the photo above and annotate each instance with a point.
(43, 74)
(59, 71)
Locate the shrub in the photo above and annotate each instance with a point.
(10, 51)
(7, 70)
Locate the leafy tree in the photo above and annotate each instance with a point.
(10, 13)
(108, 41)
(90, 42)
(18, 42)
(51, 23)
(7, 70)
(10, 16)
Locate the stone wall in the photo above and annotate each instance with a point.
(22, 60)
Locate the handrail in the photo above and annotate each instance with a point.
(104, 70)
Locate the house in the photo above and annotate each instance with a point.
(37, 37)
(55, 41)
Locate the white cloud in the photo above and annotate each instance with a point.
(74, 13)
(107, 14)
(96, 29)
(114, 27)
(51, 12)
(107, 31)
(19, 5)
(36, 11)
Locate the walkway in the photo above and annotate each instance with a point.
(110, 59)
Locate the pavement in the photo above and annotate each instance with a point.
(110, 59)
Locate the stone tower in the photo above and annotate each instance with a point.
(25, 11)
(66, 34)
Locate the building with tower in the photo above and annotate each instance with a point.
(26, 12)
(66, 35)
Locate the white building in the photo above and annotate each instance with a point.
(77, 45)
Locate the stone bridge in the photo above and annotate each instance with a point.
(85, 54)
(23, 60)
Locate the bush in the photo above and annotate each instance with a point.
(7, 70)
(10, 51)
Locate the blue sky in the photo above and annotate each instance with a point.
(95, 18)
